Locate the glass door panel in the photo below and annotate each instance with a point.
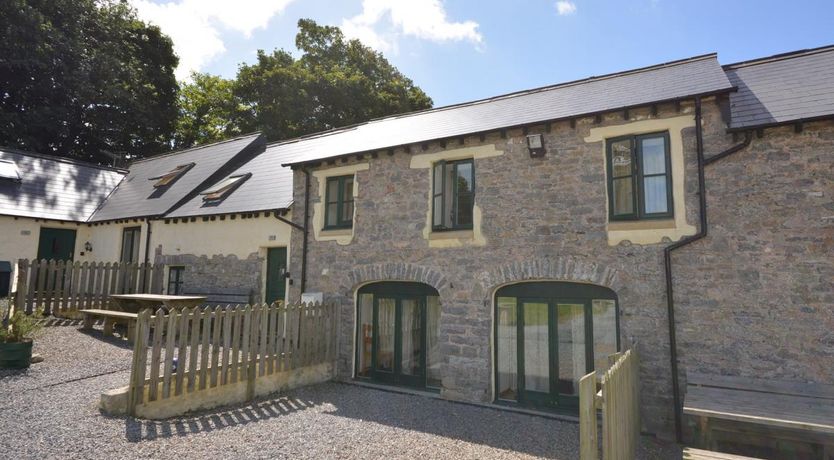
(536, 346)
(387, 314)
(571, 347)
(411, 355)
(507, 342)
(433, 359)
(366, 335)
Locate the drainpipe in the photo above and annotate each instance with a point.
(667, 255)
(147, 256)
(306, 230)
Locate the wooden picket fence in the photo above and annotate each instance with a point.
(51, 287)
(206, 348)
(619, 399)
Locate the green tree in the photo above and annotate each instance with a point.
(336, 82)
(209, 111)
(82, 77)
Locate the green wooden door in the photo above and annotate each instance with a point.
(276, 274)
(56, 243)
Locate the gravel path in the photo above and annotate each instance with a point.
(50, 412)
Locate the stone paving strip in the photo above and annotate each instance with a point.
(51, 411)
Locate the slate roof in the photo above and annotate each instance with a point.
(782, 89)
(700, 75)
(54, 188)
(136, 196)
(269, 188)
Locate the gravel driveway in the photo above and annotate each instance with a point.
(50, 412)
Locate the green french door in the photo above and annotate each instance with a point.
(553, 353)
(398, 347)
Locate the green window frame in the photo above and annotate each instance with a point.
(636, 185)
(175, 279)
(338, 202)
(452, 206)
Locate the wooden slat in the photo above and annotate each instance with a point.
(252, 357)
(195, 320)
(205, 335)
(237, 322)
(49, 276)
(182, 351)
(698, 454)
(263, 339)
(22, 287)
(280, 338)
(167, 368)
(228, 321)
(57, 287)
(245, 346)
(34, 270)
(816, 390)
(105, 287)
(156, 352)
(272, 338)
(216, 328)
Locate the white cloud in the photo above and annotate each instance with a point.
(382, 21)
(195, 25)
(565, 7)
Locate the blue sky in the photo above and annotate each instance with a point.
(459, 50)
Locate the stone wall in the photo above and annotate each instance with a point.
(541, 219)
(756, 297)
(223, 278)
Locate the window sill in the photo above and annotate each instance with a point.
(649, 224)
(436, 235)
(336, 232)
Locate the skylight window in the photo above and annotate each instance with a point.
(8, 171)
(224, 187)
(169, 177)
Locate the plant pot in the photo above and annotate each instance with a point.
(15, 355)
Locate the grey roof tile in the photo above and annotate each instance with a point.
(695, 76)
(136, 196)
(269, 188)
(782, 89)
(54, 188)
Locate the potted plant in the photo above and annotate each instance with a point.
(16, 341)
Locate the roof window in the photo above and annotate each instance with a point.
(8, 171)
(223, 188)
(170, 177)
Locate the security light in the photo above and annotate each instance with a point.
(535, 143)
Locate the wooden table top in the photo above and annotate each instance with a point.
(158, 297)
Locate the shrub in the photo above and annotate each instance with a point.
(20, 327)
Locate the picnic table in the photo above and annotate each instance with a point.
(134, 303)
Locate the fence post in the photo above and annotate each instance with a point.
(21, 289)
(136, 389)
(588, 444)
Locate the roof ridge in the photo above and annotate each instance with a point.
(62, 159)
(196, 147)
(779, 57)
(498, 97)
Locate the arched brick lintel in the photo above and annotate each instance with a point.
(396, 271)
(566, 268)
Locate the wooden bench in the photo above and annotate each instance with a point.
(791, 419)
(110, 318)
(697, 454)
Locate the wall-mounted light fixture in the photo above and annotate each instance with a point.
(88, 247)
(535, 143)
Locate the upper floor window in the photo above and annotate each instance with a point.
(338, 209)
(639, 177)
(453, 196)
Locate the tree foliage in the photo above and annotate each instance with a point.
(83, 77)
(208, 111)
(335, 82)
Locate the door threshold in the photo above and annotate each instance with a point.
(436, 395)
